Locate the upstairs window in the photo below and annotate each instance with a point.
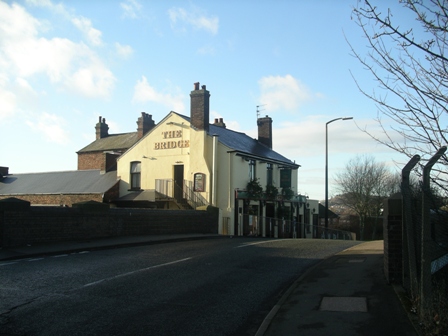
(269, 174)
(252, 170)
(135, 175)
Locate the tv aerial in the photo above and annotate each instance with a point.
(258, 110)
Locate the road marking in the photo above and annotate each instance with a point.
(10, 263)
(133, 272)
(60, 255)
(256, 243)
(35, 259)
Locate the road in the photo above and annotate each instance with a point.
(206, 287)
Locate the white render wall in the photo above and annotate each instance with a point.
(164, 147)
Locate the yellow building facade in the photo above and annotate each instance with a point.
(189, 160)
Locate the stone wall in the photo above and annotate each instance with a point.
(33, 225)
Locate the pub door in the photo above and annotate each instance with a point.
(178, 182)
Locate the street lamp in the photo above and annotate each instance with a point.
(326, 169)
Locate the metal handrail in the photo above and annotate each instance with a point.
(193, 198)
(166, 188)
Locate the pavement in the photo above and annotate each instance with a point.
(345, 294)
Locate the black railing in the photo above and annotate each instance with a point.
(169, 189)
(251, 225)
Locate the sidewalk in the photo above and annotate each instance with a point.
(346, 294)
(94, 244)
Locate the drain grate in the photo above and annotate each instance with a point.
(344, 304)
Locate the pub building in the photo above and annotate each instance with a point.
(188, 163)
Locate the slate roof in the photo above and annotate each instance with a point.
(244, 144)
(115, 142)
(64, 182)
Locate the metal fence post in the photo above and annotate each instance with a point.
(409, 276)
(425, 273)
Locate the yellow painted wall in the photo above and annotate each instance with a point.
(166, 146)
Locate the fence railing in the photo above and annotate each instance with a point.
(251, 225)
(165, 187)
(169, 189)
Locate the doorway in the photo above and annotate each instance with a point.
(178, 182)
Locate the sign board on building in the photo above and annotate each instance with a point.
(285, 178)
(199, 182)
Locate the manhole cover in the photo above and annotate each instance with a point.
(344, 304)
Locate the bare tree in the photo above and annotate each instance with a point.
(410, 66)
(364, 184)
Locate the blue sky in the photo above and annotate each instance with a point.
(64, 64)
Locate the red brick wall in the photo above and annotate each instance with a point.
(93, 160)
(97, 160)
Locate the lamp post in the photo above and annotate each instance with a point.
(326, 169)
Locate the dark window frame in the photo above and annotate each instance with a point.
(136, 175)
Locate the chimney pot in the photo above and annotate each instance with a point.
(196, 86)
(144, 124)
(101, 129)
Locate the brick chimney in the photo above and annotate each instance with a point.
(4, 171)
(265, 131)
(219, 122)
(101, 129)
(200, 107)
(144, 124)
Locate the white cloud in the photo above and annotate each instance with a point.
(51, 126)
(85, 25)
(130, 8)
(23, 53)
(39, 3)
(7, 103)
(283, 93)
(143, 92)
(197, 18)
(94, 80)
(124, 51)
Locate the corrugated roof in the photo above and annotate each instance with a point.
(244, 144)
(65, 182)
(112, 142)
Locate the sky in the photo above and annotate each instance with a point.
(65, 63)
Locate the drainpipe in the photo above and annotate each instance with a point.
(214, 168)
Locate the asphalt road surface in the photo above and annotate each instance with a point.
(207, 287)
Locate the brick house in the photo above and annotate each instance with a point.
(103, 152)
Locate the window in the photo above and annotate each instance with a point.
(135, 175)
(269, 176)
(252, 170)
